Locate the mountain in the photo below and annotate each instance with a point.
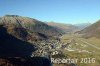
(27, 28)
(65, 28)
(82, 25)
(92, 31)
(11, 46)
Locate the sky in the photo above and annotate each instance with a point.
(61, 11)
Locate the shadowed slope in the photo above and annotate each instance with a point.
(13, 47)
(35, 61)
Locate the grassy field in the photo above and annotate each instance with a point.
(83, 48)
(93, 40)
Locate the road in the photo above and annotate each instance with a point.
(89, 44)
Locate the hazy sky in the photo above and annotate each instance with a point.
(64, 11)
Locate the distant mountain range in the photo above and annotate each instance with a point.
(92, 31)
(82, 25)
(66, 28)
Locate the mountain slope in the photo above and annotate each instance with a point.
(92, 31)
(10, 46)
(82, 25)
(27, 28)
(65, 28)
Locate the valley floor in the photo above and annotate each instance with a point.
(83, 49)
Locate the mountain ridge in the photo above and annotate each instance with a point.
(66, 28)
(24, 27)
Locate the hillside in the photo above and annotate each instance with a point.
(27, 28)
(10, 46)
(82, 25)
(92, 31)
(66, 28)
